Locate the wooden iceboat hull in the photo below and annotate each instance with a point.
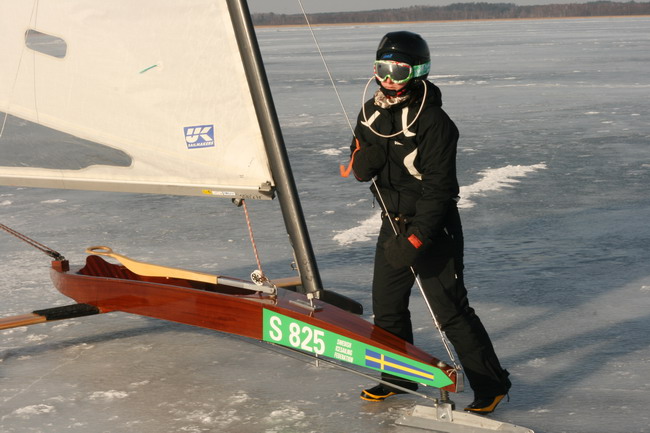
(284, 318)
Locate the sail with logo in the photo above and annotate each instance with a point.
(121, 103)
(171, 97)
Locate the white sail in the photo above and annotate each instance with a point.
(121, 95)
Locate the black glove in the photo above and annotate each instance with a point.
(402, 250)
(368, 160)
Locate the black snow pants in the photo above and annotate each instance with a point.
(440, 269)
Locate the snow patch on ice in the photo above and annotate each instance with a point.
(436, 77)
(209, 418)
(54, 201)
(141, 347)
(5, 202)
(37, 409)
(539, 410)
(21, 329)
(330, 152)
(365, 231)
(58, 399)
(35, 338)
(495, 179)
(240, 397)
(64, 325)
(537, 362)
(290, 413)
(205, 417)
(108, 396)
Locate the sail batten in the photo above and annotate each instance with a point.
(174, 107)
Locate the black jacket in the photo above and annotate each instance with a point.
(416, 170)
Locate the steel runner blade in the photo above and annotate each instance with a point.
(442, 418)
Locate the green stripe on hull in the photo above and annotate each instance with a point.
(293, 333)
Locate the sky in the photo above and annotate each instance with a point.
(315, 6)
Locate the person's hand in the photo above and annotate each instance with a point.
(368, 160)
(402, 250)
(374, 154)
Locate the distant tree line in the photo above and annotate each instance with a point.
(461, 11)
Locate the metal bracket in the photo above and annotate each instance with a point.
(305, 304)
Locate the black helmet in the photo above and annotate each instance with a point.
(408, 48)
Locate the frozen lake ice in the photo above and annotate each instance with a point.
(554, 160)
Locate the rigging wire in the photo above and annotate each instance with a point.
(47, 250)
(443, 337)
(258, 276)
(327, 69)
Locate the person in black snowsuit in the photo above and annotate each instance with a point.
(407, 143)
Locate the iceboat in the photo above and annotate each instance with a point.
(140, 89)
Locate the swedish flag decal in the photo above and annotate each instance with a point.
(389, 364)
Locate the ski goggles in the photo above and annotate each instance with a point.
(399, 72)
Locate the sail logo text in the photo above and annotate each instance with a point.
(199, 136)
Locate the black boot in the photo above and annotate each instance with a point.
(485, 405)
(382, 392)
(379, 393)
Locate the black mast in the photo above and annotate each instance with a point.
(294, 219)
